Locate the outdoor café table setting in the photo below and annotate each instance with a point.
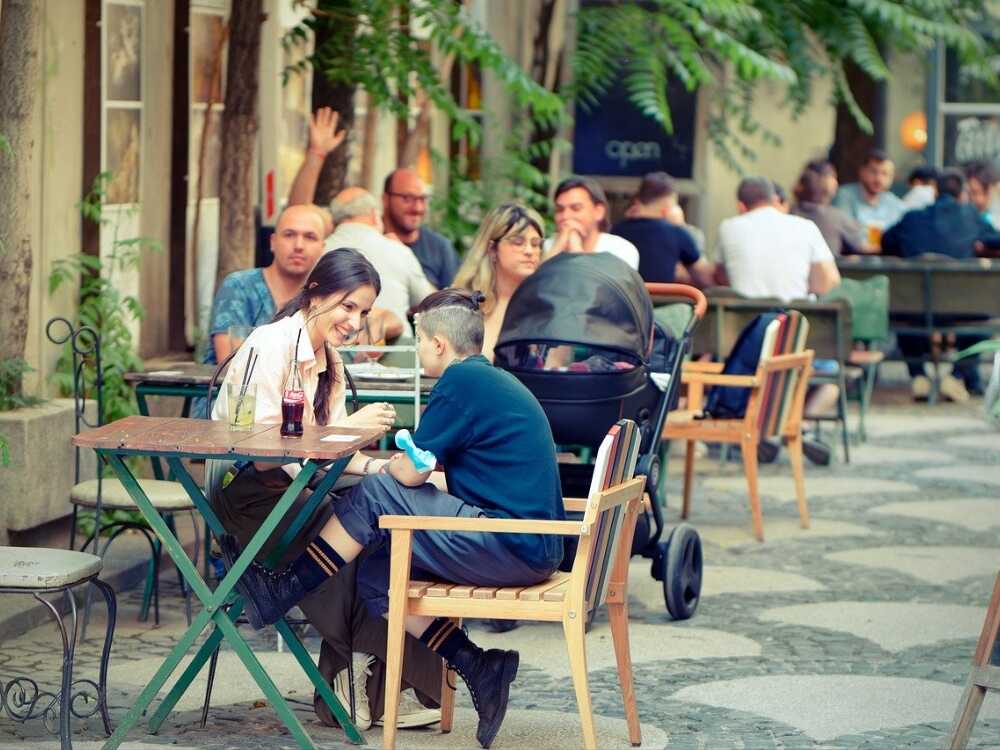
(174, 439)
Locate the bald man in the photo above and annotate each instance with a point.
(404, 207)
(251, 297)
(355, 212)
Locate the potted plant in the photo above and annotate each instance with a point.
(36, 452)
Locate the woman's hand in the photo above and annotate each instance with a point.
(373, 415)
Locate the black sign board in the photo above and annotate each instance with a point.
(614, 138)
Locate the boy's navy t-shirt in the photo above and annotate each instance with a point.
(496, 445)
(661, 246)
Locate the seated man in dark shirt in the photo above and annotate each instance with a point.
(498, 462)
(949, 226)
(661, 245)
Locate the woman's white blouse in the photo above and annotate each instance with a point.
(273, 344)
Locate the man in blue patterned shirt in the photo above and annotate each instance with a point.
(251, 297)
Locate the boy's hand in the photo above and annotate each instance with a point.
(323, 134)
(401, 469)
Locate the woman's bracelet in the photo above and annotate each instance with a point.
(364, 469)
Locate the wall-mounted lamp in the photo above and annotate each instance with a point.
(913, 131)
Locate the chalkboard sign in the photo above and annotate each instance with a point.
(971, 138)
(614, 138)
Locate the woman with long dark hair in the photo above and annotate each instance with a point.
(329, 312)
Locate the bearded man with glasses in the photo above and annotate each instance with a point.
(404, 207)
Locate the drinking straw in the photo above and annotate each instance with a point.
(247, 374)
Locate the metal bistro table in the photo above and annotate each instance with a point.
(173, 439)
(186, 380)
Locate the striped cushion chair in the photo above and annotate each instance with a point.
(599, 576)
(777, 397)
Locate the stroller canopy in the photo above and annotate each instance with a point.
(591, 299)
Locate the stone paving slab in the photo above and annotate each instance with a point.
(829, 706)
(937, 565)
(962, 473)
(782, 488)
(856, 633)
(975, 514)
(895, 626)
(777, 529)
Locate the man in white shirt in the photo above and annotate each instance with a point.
(359, 226)
(766, 253)
(581, 218)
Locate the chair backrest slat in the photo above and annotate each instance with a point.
(616, 460)
(785, 335)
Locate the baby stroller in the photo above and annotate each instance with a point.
(580, 334)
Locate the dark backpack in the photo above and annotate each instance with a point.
(730, 402)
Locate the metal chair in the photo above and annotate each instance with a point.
(100, 494)
(38, 571)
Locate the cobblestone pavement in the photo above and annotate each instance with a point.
(854, 634)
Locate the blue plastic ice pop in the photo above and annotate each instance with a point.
(422, 460)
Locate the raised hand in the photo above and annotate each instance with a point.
(323, 134)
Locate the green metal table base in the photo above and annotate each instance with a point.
(214, 610)
(188, 393)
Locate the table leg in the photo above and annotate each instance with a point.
(213, 601)
(191, 671)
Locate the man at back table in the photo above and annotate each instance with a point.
(766, 253)
(355, 211)
(404, 206)
(662, 245)
(249, 298)
(869, 200)
(582, 223)
(404, 201)
(949, 226)
(953, 227)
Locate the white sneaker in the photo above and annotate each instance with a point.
(353, 694)
(920, 387)
(412, 713)
(953, 389)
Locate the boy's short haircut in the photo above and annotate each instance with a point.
(454, 314)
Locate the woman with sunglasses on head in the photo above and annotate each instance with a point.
(507, 250)
(330, 311)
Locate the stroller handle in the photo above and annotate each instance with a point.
(698, 300)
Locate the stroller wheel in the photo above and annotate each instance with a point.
(682, 572)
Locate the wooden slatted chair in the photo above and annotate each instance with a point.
(777, 397)
(599, 575)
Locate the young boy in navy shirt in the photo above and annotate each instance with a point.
(499, 460)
